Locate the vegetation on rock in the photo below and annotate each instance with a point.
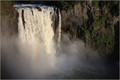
(9, 17)
(97, 24)
(100, 31)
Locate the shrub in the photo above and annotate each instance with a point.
(96, 3)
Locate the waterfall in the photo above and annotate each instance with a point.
(59, 27)
(35, 26)
(39, 53)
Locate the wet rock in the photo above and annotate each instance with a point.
(55, 8)
(38, 7)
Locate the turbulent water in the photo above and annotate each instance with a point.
(36, 54)
(36, 26)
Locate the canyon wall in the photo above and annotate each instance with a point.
(96, 23)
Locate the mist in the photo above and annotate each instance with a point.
(70, 58)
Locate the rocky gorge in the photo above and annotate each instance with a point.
(96, 23)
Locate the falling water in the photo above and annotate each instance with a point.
(59, 27)
(36, 26)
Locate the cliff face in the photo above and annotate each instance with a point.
(95, 23)
(75, 17)
(9, 19)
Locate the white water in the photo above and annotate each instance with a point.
(36, 31)
(38, 27)
(59, 27)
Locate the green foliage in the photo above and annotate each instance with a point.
(112, 5)
(2, 10)
(96, 11)
(99, 32)
(9, 16)
(102, 38)
(64, 5)
(7, 9)
(95, 3)
(83, 28)
(102, 42)
(67, 4)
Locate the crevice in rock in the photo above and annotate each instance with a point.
(39, 9)
(23, 18)
(32, 12)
